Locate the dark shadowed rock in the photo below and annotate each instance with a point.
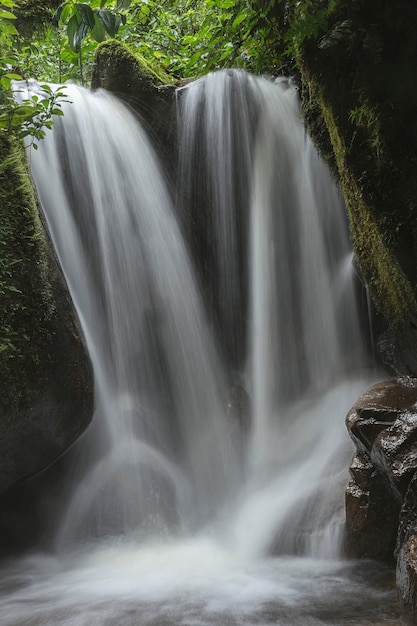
(406, 575)
(381, 498)
(394, 452)
(46, 380)
(371, 513)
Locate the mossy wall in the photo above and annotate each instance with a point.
(46, 398)
(360, 102)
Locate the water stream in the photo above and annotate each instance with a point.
(222, 325)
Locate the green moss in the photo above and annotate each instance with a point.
(24, 286)
(358, 103)
(392, 292)
(127, 68)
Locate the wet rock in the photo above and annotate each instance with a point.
(408, 515)
(381, 498)
(371, 513)
(46, 379)
(377, 409)
(394, 452)
(406, 575)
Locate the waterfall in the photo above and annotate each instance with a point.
(159, 447)
(222, 325)
(257, 197)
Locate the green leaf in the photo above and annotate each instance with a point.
(225, 4)
(56, 16)
(98, 32)
(80, 35)
(68, 10)
(87, 14)
(111, 22)
(8, 3)
(5, 82)
(7, 15)
(240, 18)
(122, 5)
(7, 28)
(195, 57)
(72, 29)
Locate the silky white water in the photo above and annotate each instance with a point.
(183, 504)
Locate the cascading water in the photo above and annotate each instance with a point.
(175, 514)
(159, 444)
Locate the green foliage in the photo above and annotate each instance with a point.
(7, 28)
(338, 32)
(94, 19)
(13, 224)
(31, 116)
(191, 37)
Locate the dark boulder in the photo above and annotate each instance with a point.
(381, 498)
(46, 380)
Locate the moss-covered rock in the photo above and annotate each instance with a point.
(149, 90)
(359, 100)
(46, 398)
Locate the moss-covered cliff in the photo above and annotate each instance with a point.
(359, 100)
(45, 375)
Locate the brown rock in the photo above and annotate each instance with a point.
(394, 452)
(371, 513)
(406, 574)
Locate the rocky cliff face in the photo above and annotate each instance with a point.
(46, 382)
(358, 101)
(381, 498)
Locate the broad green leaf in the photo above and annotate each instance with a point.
(21, 114)
(68, 10)
(240, 18)
(72, 29)
(87, 14)
(80, 35)
(7, 28)
(111, 22)
(57, 15)
(14, 76)
(7, 15)
(5, 82)
(195, 57)
(8, 3)
(98, 32)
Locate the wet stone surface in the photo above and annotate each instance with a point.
(381, 498)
